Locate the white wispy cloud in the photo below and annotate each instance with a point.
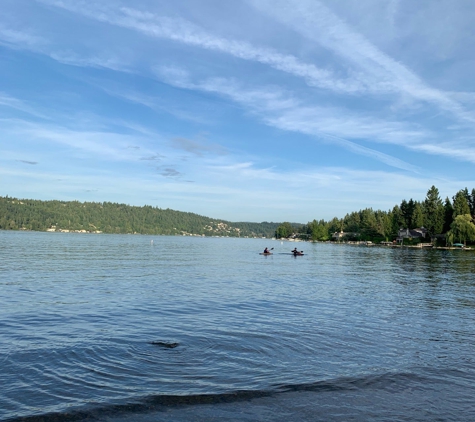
(284, 112)
(183, 31)
(371, 70)
(19, 38)
(226, 186)
(18, 104)
(137, 149)
(374, 68)
(104, 61)
(392, 8)
(13, 38)
(101, 143)
(154, 103)
(99, 120)
(249, 172)
(375, 72)
(459, 152)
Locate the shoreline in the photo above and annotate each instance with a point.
(468, 248)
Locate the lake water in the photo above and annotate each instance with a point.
(343, 333)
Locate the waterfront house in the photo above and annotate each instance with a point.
(344, 235)
(419, 233)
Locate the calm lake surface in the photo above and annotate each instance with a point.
(343, 333)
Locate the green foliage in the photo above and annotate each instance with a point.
(335, 225)
(108, 217)
(461, 203)
(471, 203)
(397, 220)
(317, 230)
(448, 215)
(284, 230)
(433, 212)
(352, 222)
(462, 228)
(366, 224)
(407, 210)
(417, 218)
(449, 238)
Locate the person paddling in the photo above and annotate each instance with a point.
(266, 250)
(296, 252)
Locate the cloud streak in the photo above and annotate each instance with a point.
(17, 104)
(373, 72)
(315, 21)
(246, 101)
(183, 31)
(19, 38)
(286, 113)
(377, 72)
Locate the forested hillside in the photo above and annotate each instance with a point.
(455, 220)
(107, 217)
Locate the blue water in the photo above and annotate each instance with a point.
(342, 333)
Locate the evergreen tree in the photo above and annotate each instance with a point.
(383, 224)
(369, 227)
(471, 203)
(411, 206)
(448, 215)
(397, 220)
(433, 212)
(352, 222)
(335, 225)
(466, 194)
(417, 219)
(406, 213)
(461, 204)
(318, 230)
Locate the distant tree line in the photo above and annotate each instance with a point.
(108, 217)
(448, 221)
(454, 219)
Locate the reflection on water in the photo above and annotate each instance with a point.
(86, 320)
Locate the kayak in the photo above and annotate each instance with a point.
(297, 254)
(265, 253)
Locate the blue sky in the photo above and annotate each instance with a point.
(252, 110)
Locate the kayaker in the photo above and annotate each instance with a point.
(266, 250)
(296, 252)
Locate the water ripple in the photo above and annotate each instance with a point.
(79, 316)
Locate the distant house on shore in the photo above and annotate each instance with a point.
(342, 235)
(419, 233)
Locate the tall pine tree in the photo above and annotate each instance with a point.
(433, 212)
(460, 205)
